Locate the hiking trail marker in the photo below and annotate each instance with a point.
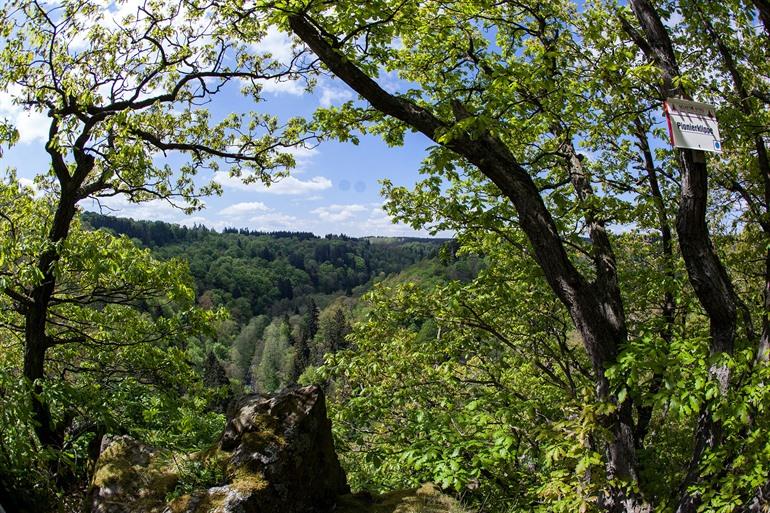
(692, 125)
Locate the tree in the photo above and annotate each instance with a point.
(244, 346)
(118, 88)
(215, 377)
(508, 92)
(276, 363)
(708, 276)
(333, 327)
(110, 363)
(467, 383)
(307, 332)
(311, 320)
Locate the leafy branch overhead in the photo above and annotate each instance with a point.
(511, 94)
(123, 87)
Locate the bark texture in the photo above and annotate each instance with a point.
(36, 340)
(705, 271)
(595, 307)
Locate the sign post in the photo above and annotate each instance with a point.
(692, 125)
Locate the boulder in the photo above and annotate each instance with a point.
(287, 441)
(131, 476)
(275, 455)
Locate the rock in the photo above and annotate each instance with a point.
(287, 440)
(130, 476)
(276, 455)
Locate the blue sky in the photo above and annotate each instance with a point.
(334, 188)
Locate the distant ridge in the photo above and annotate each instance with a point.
(253, 272)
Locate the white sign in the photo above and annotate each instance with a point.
(692, 125)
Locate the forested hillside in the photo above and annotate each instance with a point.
(289, 297)
(252, 273)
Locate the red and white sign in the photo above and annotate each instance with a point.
(692, 125)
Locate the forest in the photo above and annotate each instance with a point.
(286, 298)
(595, 338)
(252, 273)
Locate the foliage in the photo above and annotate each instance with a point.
(549, 154)
(127, 371)
(253, 273)
(96, 325)
(438, 388)
(277, 278)
(606, 349)
(196, 474)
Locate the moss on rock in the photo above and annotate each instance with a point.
(129, 469)
(276, 455)
(247, 482)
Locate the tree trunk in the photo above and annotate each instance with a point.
(758, 208)
(35, 335)
(595, 308)
(708, 277)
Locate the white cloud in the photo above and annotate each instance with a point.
(291, 185)
(338, 213)
(32, 126)
(277, 44)
(359, 221)
(243, 209)
(282, 86)
(334, 96)
(303, 156)
(155, 210)
(362, 220)
(285, 186)
(356, 220)
(30, 184)
(26, 182)
(381, 223)
(277, 221)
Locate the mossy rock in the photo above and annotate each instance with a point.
(131, 477)
(276, 455)
(426, 499)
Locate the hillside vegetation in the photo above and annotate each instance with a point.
(289, 297)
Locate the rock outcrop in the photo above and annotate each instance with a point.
(131, 476)
(275, 455)
(287, 440)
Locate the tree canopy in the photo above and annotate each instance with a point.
(121, 89)
(544, 121)
(611, 354)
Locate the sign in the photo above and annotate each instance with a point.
(692, 125)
